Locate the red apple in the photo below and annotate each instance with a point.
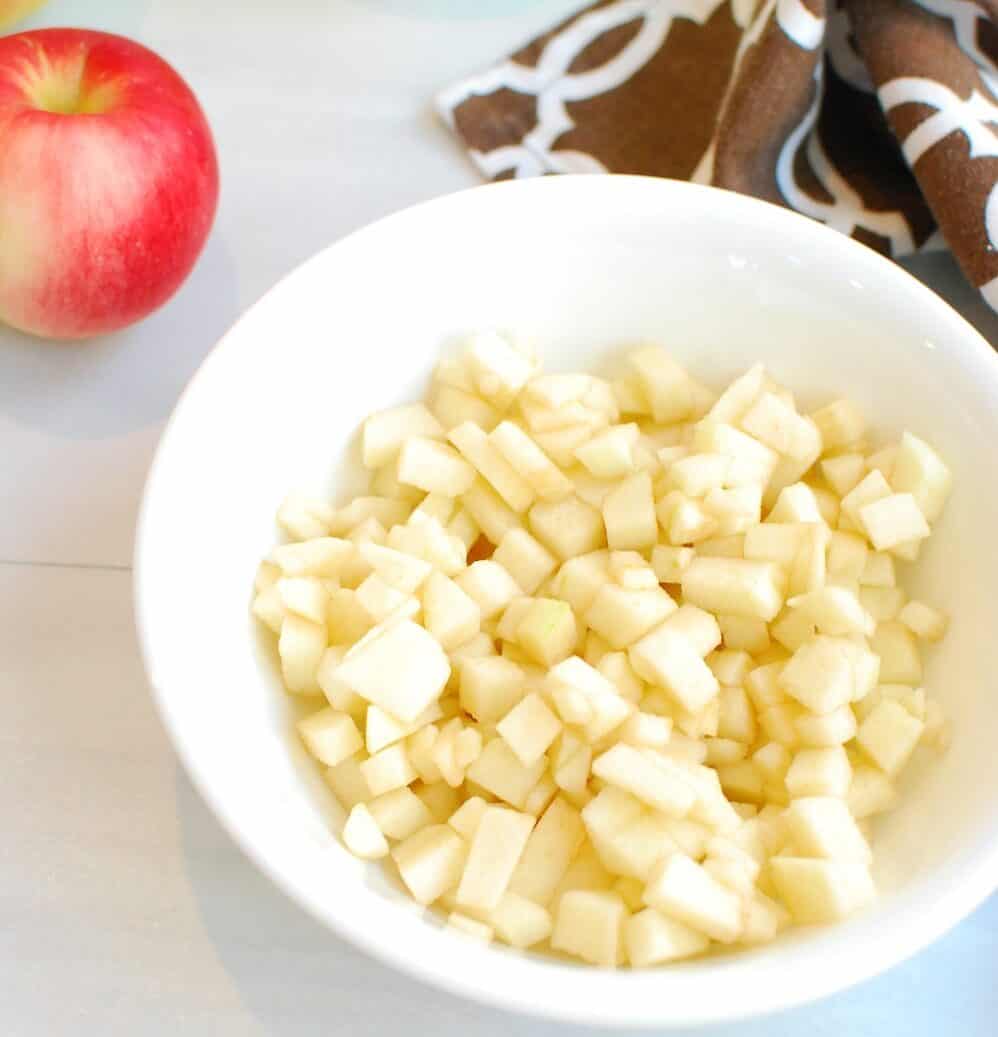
(108, 182)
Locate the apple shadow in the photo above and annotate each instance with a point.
(298, 979)
(124, 381)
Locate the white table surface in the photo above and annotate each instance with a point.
(124, 909)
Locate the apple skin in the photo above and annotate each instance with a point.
(108, 182)
(14, 10)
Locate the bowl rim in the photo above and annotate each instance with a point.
(918, 928)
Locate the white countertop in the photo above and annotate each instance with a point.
(124, 909)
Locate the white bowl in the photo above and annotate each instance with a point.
(585, 265)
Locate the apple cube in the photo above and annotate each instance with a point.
(631, 571)
(431, 862)
(629, 514)
(529, 729)
(752, 462)
(681, 889)
(589, 925)
(301, 647)
(399, 813)
(742, 634)
(667, 659)
(734, 587)
(843, 471)
(362, 836)
(878, 571)
(776, 423)
(526, 457)
(646, 730)
(385, 433)
(834, 610)
(397, 569)
(661, 787)
(496, 847)
(870, 792)
(552, 846)
(841, 425)
(923, 621)
(474, 445)
(321, 557)
(685, 521)
(608, 708)
(817, 890)
(434, 467)
(774, 542)
(737, 717)
(889, 735)
(450, 614)
(489, 511)
(490, 687)
(420, 746)
(520, 922)
(453, 405)
(568, 527)
(579, 579)
(828, 729)
(380, 600)
(893, 520)
(882, 603)
(489, 585)
(347, 783)
(723, 751)
(920, 471)
(402, 671)
(819, 676)
(561, 444)
(499, 369)
(697, 474)
(622, 616)
(663, 383)
(671, 562)
(616, 668)
(303, 519)
(330, 736)
(441, 800)
(499, 771)
(819, 772)
(900, 662)
(822, 826)
(610, 454)
(526, 560)
(387, 770)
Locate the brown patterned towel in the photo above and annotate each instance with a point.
(878, 117)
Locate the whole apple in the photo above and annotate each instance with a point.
(108, 182)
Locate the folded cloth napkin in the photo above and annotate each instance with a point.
(878, 117)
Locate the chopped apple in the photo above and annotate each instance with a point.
(681, 889)
(841, 425)
(301, 647)
(568, 527)
(919, 470)
(621, 616)
(529, 729)
(608, 709)
(431, 862)
(499, 771)
(385, 433)
(496, 847)
(889, 735)
(490, 687)
(399, 813)
(330, 736)
(818, 890)
(610, 454)
(924, 621)
(819, 772)
(489, 585)
(451, 615)
(664, 384)
(362, 835)
(667, 659)
(629, 514)
(525, 559)
(900, 662)
(734, 587)
(631, 769)
(822, 826)
(893, 520)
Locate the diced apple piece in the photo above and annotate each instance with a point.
(681, 889)
(302, 518)
(776, 423)
(301, 646)
(555, 390)
(685, 521)
(499, 771)
(526, 560)
(387, 770)
(589, 925)
(828, 729)
(489, 511)
(399, 570)
(697, 474)
(362, 836)
(818, 891)
(441, 800)
(330, 736)
(450, 614)
(667, 659)
(737, 717)
(744, 634)
(347, 783)
(321, 557)
(898, 650)
(622, 616)
(384, 433)
(843, 472)
(468, 816)
(847, 555)
(399, 813)
(452, 406)
(882, 603)
(893, 520)
(520, 922)
(919, 470)
(380, 600)
(924, 621)
(795, 504)
(499, 369)
(835, 611)
(629, 514)
(610, 454)
(870, 792)
(552, 846)
(490, 687)
(698, 627)
(402, 671)
(752, 462)
(608, 708)
(631, 769)
(434, 467)
(819, 675)
(671, 562)
(878, 571)
(646, 730)
(841, 425)
(889, 735)
(431, 862)
(819, 772)
(568, 527)
(579, 579)
(822, 826)
(269, 608)
(529, 729)
(496, 847)
(360, 510)
(489, 585)
(664, 384)
(476, 448)
(734, 587)
(774, 542)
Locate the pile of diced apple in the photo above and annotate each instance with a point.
(617, 670)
